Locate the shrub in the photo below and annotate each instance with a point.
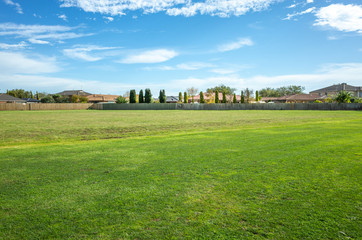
(47, 99)
(317, 101)
(140, 97)
(343, 97)
(75, 99)
(216, 96)
(223, 97)
(202, 100)
(121, 99)
(83, 99)
(132, 96)
(148, 96)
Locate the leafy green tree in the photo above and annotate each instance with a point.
(234, 98)
(31, 94)
(222, 88)
(248, 94)
(140, 97)
(19, 93)
(185, 97)
(180, 96)
(148, 95)
(132, 96)
(223, 97)
(162, 97)
(83, 99)
(202, 100)
(257, 96)
(242, 97)
(47, 99)
(37, 96)
(121, 99)
(216, 96)
(192, 92)
(343, 97)
(281, 91)
(75, 99)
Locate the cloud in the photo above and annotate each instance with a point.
(221, 8)
(151, 56)
(292, 15)
(310, 1)
(241, 42)
(63, 16)
(82, 52)
(39, 34)
(16, 5)
(109, 19)
(347, 18)
(6, 46)
(190, 66)
(18, 63)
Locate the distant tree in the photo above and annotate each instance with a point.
(57, 98)
(281, 91)
(47, 99)
(216, 96)
(242, 97)
(223, 97)
(248, 94)
(234, 98)
(192, 92)
(7, 91)
(126, 94)
(257, 96)
(343, 97)
(148, 96)
(202, 100)
(185, 97)
(83, 99)
(31, 94)
(75, 99)
(180, 96)
(132, 96)
(121, 99)
(140, 97)
(19, 93)
(37, 96)
(222, 88)
(210, 96)
(162, 97)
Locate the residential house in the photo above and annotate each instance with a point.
(70, 93)
(334, 89)
(99, 98)
(295, 98)
(207, 98)
(172, 99)
(31, 100)
(5, 98)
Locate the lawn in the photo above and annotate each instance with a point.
(180, 175)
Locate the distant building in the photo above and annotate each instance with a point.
(172, 99)
(70, 93)
(31, 100)
(295, 98)
(98, 98)
(334, 89)
(5, 98)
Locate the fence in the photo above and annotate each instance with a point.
(230, 106)
(43, 106)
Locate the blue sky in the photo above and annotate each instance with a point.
(111, 46)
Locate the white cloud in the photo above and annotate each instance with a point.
(63, 16)
(292, 15)
(235, 45)
(16, 5)
(20, 45)
(110, 19)
(221, 8)
(190, 66)
(347, 18)
(310, 1)
(151, 56)
(40, 34)
(17, 63)
(82, 52)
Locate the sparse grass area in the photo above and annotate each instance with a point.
(180, 175)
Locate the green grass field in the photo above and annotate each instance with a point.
(181, 175)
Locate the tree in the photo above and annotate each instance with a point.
(31, 94)
(223, 97)
(343, 97)
(180, 96)
(75, 99)
(132, 96)
(148, 96)
(222, 88)
(216, 96)
(140, 97)
(281, 91)
(192, 92)
(83, 99)
(257, 96)
(121, 99)
(234, 98)
(248, 94)
(47, 99)
(210, 96)
(126, 94)
(185, 97)
(19, 93)
(202, 100)
(162, 96)
(242, 97)
(37, 96)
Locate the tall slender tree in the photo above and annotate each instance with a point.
(148, 96)
(223, 97)
(162, 96)
(140, 97)
(202, 100)
(234, 98)
(180, 96)
(216, 96)
(185, 97)
(242, 97)
(257, 96)
(37, 96)
(132, 96)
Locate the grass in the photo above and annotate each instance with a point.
(180, 175)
